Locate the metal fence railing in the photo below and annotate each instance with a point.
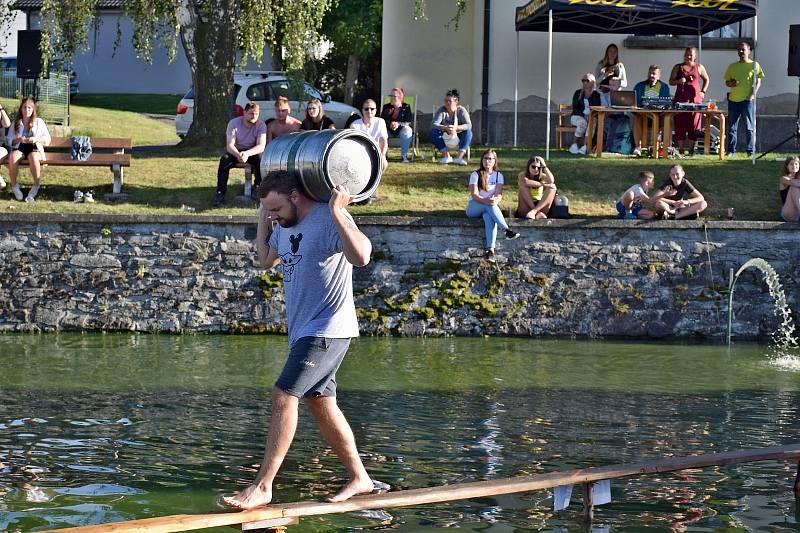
(52, 94)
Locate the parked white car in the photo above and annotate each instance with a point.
(264, 87)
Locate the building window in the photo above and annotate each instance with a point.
(738, 30)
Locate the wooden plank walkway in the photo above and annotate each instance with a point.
(282, 514)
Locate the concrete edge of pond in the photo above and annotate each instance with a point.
(385, 220)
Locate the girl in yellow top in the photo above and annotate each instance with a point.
(536, 190)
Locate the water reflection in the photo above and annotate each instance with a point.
(99, 428)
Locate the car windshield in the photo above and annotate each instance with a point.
(311, 92)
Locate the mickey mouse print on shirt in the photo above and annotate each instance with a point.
(290, 259)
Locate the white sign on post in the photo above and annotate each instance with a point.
(561, 496)
(601, 492)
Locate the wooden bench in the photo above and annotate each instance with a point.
(111, 152)
(248, 181)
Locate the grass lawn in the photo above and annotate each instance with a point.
(161, 104)
(160, 181)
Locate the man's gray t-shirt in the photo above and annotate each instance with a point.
(246, 134)
(317, 278)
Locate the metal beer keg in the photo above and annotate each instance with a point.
(325, 159)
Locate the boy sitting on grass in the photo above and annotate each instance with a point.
(629, 205)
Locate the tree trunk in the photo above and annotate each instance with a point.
(353, 64)
(209, 37)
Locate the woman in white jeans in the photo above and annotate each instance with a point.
(583, 98)
(485, 193)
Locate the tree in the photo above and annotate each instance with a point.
(354, 30)
(211, 32)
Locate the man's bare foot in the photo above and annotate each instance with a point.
(352, 488)
(249, 498)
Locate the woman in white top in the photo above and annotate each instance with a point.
(27, 138)
(485, 193)
(375, 127)
(6, 123)
(610, 67)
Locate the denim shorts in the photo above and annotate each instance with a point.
(310, 369)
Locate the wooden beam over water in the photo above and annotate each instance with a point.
(446, 493)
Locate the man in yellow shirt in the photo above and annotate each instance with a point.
(743, 89)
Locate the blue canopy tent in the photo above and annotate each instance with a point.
(639, 17)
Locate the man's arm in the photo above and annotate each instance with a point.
(267, 257)
(257, 149)
(356, 246)
(230, 145)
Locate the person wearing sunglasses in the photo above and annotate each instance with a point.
(536, 190)
(375, 127)
(582, 99)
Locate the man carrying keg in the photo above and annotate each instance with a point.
(317, 246)
(246, 139)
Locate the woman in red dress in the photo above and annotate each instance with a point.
(687, 77)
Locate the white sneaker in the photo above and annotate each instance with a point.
(405, 160)
(32, 194)
(459, 161)
(17, 192)
(88, 198)
(582, 151)
(2, 183)
(637, 152)
(77, 197)
(446, 160)
(573, 149)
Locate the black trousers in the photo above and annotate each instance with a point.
(227, 162)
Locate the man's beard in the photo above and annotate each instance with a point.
(291, 220)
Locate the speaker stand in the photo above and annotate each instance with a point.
(796, 134)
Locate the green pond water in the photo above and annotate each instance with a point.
(98, 428)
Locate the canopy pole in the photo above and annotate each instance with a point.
(516, 88)
(755, 94)
(549, 78)
(699, 40)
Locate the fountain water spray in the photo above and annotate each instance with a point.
(783, 337)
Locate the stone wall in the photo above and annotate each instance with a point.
(427, 277)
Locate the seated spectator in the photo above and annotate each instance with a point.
(652, 87)
(316, 120)
(284, 122)
(536, 190)
(677, 198)
(246, 138)
(789, 189)
(610, 67)
(451, 128)
(398, 117)
(631, 204)
(27, 138)
(582, 99)
(617, 134)
(5, 122)
(485, 193)
(375, 127)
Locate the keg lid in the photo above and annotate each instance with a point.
(350, 163)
